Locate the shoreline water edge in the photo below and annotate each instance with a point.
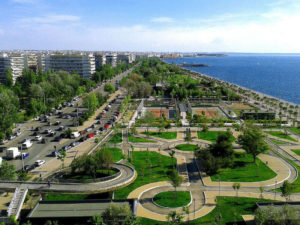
(236, 85)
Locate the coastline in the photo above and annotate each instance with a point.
(236, 85)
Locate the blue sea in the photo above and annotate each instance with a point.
(277, 75)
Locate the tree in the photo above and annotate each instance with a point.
(204, 128)
(174, 218)
(176, 181)
(287, 189)
(62, 157)
(109, 88)
(172, 155)
(9, 78)
(252, 140)
(116, 214)
(7, 171)
(97, 220)
(236, 187)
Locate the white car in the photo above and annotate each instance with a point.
(38, 138)
(19, 133)
(48, 131)
(39, 162)
(26, 140)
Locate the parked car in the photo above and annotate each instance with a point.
(82, 139)
(66, 147)
(90, 135)
(38, 138)
(39, 162)
(18, 133)
(55, 153)
(75, 143)
(44, 140)
(57, 138)
(29, 167)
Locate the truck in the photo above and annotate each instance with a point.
(0, 161)
(12, 153)
(26, 144)
(75, 134)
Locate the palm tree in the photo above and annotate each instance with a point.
(174, 218)
(236, 187)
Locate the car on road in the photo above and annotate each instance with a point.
(66, 147)
(18, 133)
(55, 153)
(44, 140)
(57, 123)
(48, 131)
(12, 137)
(82, 139)
(37, 128)
(57, 138)
(38, 138)
(75, 143)
(26, 140)
(89, 129)
(61, 128)
(29, 167)
(39, 162)
(90, 135)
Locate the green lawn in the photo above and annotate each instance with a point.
(83, 176)
(187, 147)
(117, 138)
(244, 170)
(169, 199)
(297, 151)
(296, 183)
(210, 135)
(164, 135)
(281, 135)
(295, 130)
(117, 153)
(70, 197)
(161, 169)
(135, 139)
(231, 209)
(278, 142)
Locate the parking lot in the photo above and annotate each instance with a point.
(52, 127)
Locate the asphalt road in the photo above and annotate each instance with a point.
(43, 151)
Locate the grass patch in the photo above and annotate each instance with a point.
(187, 147)
(164, 135)
(297, 151)
(135, 139)
(169, 199)
(295, 130)
(278, 142)
(82, 176)
(211, 135)
(72, 197)
(161, 168)
(244, 170)
(231, 209)
(117, 138)
(117, 153)
(281, 135)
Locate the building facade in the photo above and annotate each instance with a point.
(15, 62)
(111, 59)
(84, 65)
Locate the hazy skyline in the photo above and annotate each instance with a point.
(165, 25)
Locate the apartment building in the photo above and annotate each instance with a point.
(100, 60)
(84, 65)
(125, 57)
(14, 61)
(111, 59)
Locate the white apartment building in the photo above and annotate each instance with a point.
(15, 62)
(82, 64)
(111, 59)
(100, 60)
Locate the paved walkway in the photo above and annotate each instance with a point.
(127, 176)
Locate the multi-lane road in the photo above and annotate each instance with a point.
(43, 151)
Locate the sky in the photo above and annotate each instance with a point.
(263, 26)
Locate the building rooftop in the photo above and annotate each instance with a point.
(66, 209)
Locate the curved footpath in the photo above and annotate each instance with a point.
(127, 176)
(203, 190)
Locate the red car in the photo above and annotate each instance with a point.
(90, 135)
(106, 126)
